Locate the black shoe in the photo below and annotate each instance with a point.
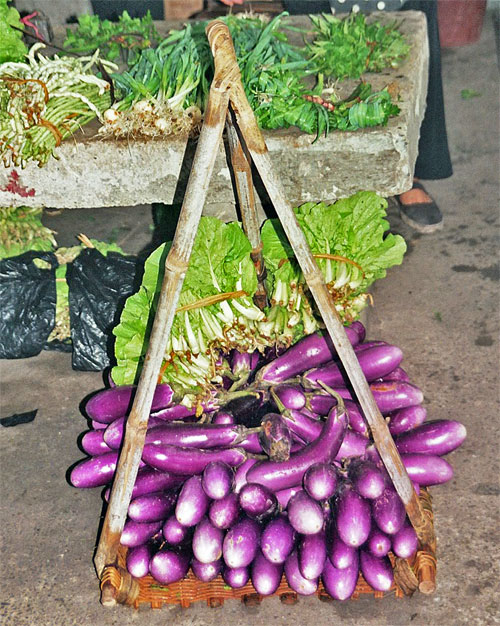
(424, 217)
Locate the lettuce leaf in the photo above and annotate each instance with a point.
(12, 47)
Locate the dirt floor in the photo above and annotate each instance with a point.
(440, 307)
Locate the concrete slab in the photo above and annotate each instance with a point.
(440, 307)
(90, 172)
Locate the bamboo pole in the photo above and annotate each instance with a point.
(175, 269)
(220, 42)
(240, 162)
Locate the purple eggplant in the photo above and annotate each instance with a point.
(136, 533)
(374, 362)
(243, 363)
(341, 583)
(435, 437)
(367, 479)
(225, 512)
(223, 417)
(95, 471)
(152, 507)
(284, 495)
(93, 443)
(217, 480)
(236, 577)
(311, 552)
(278, 476)
(251, 444)
(378, 543)
(301, 426)
(179, 460)
(113, 435)
(266, 576)
(405, 541)
(356, 419)
(398, 373)
(168, 566)
(388, 511)
(240, 475)
(241, 543)
(297, 582)
(290, 396)
(340, 554)
(305, 514)
(108, 404)
(367, 345)
(426, 469)
(196, 435)
(174, 532)
(192, 502)
(377, 572)
(275, 437)
(310, 351)
(247, 409)
(353, 445)
(353, 517)
(139, 558)
(389, 395)
(206, 571)
(150, 480)
(277, 539)
(257, 501)
(97, 425)
(359, 329)
(207, 541)
(320, 481)
(406, 419)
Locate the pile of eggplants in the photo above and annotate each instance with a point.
(282, 479)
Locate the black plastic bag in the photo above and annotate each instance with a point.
(27, 303)
(98, 287)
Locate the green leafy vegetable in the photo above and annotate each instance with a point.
(21, 230)
(12, 47)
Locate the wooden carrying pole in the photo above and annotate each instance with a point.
(222, 48)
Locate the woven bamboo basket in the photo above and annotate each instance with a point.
(118, 586)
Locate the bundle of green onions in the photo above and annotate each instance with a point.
(44, 100)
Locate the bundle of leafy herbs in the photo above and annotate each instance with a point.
(21, 230)
(121, 40)
(348, 47)
(216, 312)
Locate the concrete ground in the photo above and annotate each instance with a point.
(440, 307)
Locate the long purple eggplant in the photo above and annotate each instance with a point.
(290, 396)
(340, 583)
(265, 575)
(243, 363)
(225, 512)
(378, 543)
(136, 533)
(196, 435)
(206, 571)
(426, 469)
(174, 532)
(277, 539)
(353, 445)
(359, 329)
(389, 395)
(320, 481)
(435, 437)
(240, 475)
(303, 427)
(236, 577)
(310, 351)
(223, 417)
(181, 411)
(340, 554)
(113, 435)
(275, 437)
(353, 517)
(108, 404)
(217, 480)
(374, 362)
(388, 511)
(179, 460)
(138, 560)
(357, 421)
(398, 373)
(278, 476)
(95, 471)
(297, 582)
(152, 507)
(150, 480)
(311, 551)
(192, 502)
(257, 501)
(305, 514)
(405, 541)
(93, 443)
(367, 479)
(207, 541)
(241, 543)
(168, 566)
(406, 419)
(376, 571)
